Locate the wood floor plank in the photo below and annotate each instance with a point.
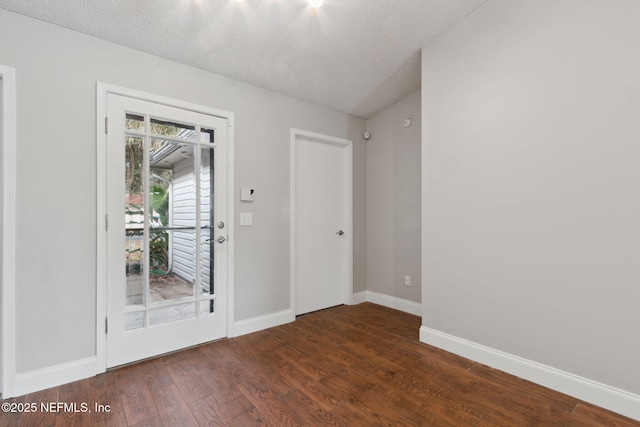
(324, 397)
(459, 391)
(268, 405)
(401, 396)
(355, 412)
(209, 412)
(354, 403)
(310, 411)
(153, 422)
(432, 398)
(73, 396)
(221, 385)
(262, 367)
(347, 365)
(155, 373)
(172, 408)
(137, 403)
(315, 344)
(250, 419)
(40, 417)
(12, 417)
(105, 401)
(286, 360)
(433, 353)
(532, 401)
(390, 382)
(241, 408)
(188, 381)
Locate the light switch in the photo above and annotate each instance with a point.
(246, 219)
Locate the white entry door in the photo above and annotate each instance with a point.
(166, 238)
(322, 240)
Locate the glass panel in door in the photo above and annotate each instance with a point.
(134, 221)
(208, 228)
(172, 223)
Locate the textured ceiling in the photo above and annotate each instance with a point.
(355, 56)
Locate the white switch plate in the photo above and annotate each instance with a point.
(246, 219)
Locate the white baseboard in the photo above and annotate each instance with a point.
(393, 302)
(387, 301)
(53, 376)
(611, 398)
(259, 323)
(359, 298)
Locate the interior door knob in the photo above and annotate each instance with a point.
(340, 233)
(220, 239)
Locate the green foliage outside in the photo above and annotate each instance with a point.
(159, 240)
(159, 197)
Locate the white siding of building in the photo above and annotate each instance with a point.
(183, 243)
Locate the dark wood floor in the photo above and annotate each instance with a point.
(349, 365)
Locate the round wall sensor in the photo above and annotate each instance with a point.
(407, 123)
(366, 136)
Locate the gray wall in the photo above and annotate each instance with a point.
(56, 73)
(531, 195)
(1, 220)
(393, 201)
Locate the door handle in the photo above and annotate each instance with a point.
(220, 239)
(340, 233)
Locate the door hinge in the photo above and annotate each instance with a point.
(106, 222)
(106, 124)
(106, 325)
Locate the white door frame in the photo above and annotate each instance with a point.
(8, 279)
(103, 90)
(347, 286)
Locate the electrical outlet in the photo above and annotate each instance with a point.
(407, 280)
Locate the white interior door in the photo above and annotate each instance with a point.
(166, 237)
(322, 221)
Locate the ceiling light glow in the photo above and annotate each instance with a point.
(315, 3)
